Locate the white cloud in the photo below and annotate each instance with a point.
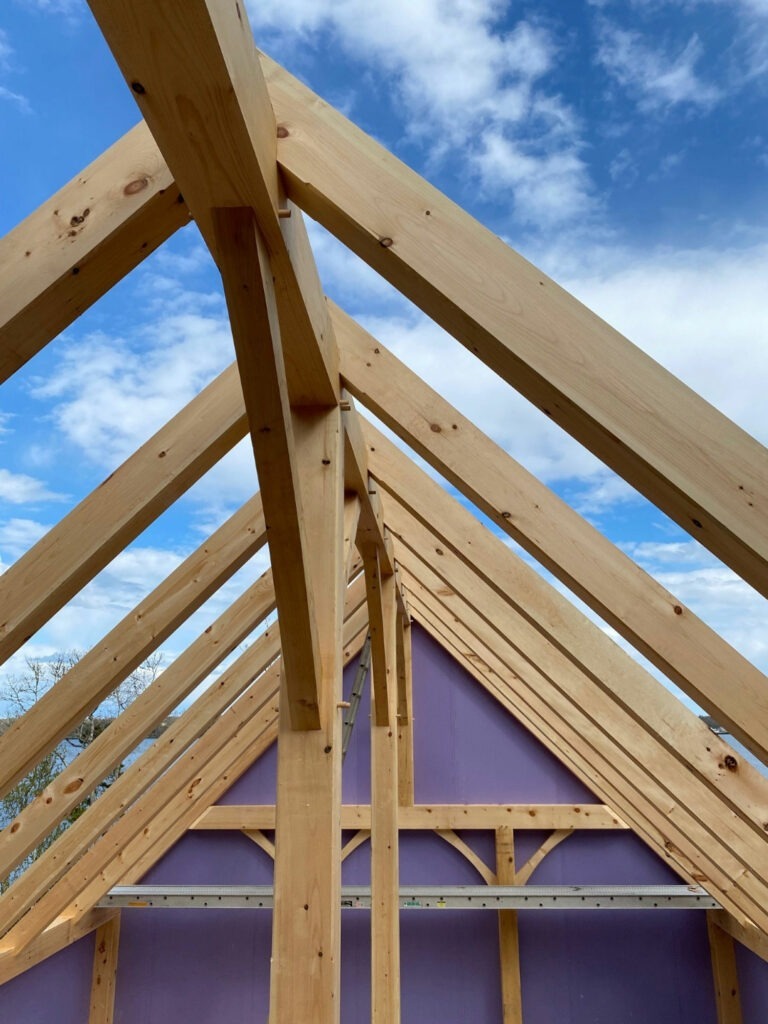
(65, 7)
(16, 98)
(6, 50)
(548, 189)
(462, 82)
(111, 393)
(20, 489)
(658, 79)
(6, 65)
(701, 313)
(605, 490)
(493, 405)
(18, 535)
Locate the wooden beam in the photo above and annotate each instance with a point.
(371, 529)
(405, 780)
(539, 817)
(88, 236)
(523, 874)
(242, 752)
(198, 778)
(351, 519)
(98, 862)
(724, 973)
(247, 277)
(42, 581)
(64, 856)
(726, 851)
(685, 801)
(640, 609)
(744, 931)
(104, 978)
(571, 717)
(58, 936)
(377, 587)
(145, 713)
(306, 932)
(437, 523)
(466, 851)
(690, 460)
(30, 736)
(385, 861)
(193, 69)
(509, 941)
(556, 732)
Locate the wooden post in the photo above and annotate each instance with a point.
(405, 786)
(385, 904)
(104, 973)
(509, 944)
(724, 973)
(306, 940)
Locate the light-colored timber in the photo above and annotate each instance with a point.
(70, 554)
(707, 474)
(104, 980)
(252, 150)
(82, 241)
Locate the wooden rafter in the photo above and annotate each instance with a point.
(720, 848)
(115, 743)
(570, 716)
(250, 735)
(56, 861)
(75, 247)
(193, 69)
(685, 456)
(630, 600)
(107, 860)
(42, 581)
(457, 533)
(135, 637)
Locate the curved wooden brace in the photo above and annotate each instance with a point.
(466, 851)
(261, 840)
(357, 840)
(523, 875)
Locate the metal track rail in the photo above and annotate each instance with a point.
(436, 897)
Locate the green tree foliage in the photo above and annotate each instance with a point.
(17, 694)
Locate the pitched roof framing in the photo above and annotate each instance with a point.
(249, 148)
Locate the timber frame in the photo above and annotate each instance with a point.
(362, 541)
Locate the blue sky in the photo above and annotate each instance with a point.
(620, 144)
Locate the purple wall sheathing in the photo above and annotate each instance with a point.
(644, 967)
(753, 984)
(56, 991)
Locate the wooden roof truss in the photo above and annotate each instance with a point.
(360, 537)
